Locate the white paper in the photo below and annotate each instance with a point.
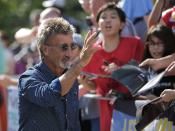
(152, 83)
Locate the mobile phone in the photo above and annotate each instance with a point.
(98, 32)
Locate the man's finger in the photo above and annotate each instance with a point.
(87, 36)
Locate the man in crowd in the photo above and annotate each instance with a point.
(48, 92)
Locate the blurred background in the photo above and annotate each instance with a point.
(15, 14)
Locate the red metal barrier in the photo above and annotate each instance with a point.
(3, 109)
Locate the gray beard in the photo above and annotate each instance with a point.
(65, 66)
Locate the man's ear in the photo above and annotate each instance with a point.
(45, 50)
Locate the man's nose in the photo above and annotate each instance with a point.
(68, 52)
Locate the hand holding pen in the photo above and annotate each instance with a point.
(109, 67)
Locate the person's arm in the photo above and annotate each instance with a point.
(156, 12)
(68, 78)
(6, 80)
(160, 63)
(168, 95)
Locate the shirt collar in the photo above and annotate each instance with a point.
(47, 72)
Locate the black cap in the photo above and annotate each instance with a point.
(131, 76)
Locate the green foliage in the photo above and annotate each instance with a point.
(14, 14)
(74, 9)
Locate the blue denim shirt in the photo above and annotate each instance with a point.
(41, 106)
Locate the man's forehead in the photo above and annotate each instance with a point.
(62, 38)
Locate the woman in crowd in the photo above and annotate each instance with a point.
(160, 43)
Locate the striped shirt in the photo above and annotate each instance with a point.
(41, 106)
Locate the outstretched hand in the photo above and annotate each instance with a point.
(168, 95)
(153, 63)
(88, 49)
(6, 80)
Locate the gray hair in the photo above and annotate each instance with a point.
(51, 27)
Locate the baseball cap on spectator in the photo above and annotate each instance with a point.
(168, 17)
(53, 3)
(77, 39)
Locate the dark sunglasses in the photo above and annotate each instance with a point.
(64, 46)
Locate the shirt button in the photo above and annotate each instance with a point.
(66, 116)
(66, 100)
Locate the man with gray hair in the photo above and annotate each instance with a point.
(48, 92)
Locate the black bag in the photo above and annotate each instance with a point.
(149, 112)
(145, 111)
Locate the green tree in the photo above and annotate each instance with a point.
(14, 14)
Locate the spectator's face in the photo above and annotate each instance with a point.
(110, 23)
(156, 47)
(95, 5)
(58, 51)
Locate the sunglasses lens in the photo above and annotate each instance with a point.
(64, 47)
(73, 46)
